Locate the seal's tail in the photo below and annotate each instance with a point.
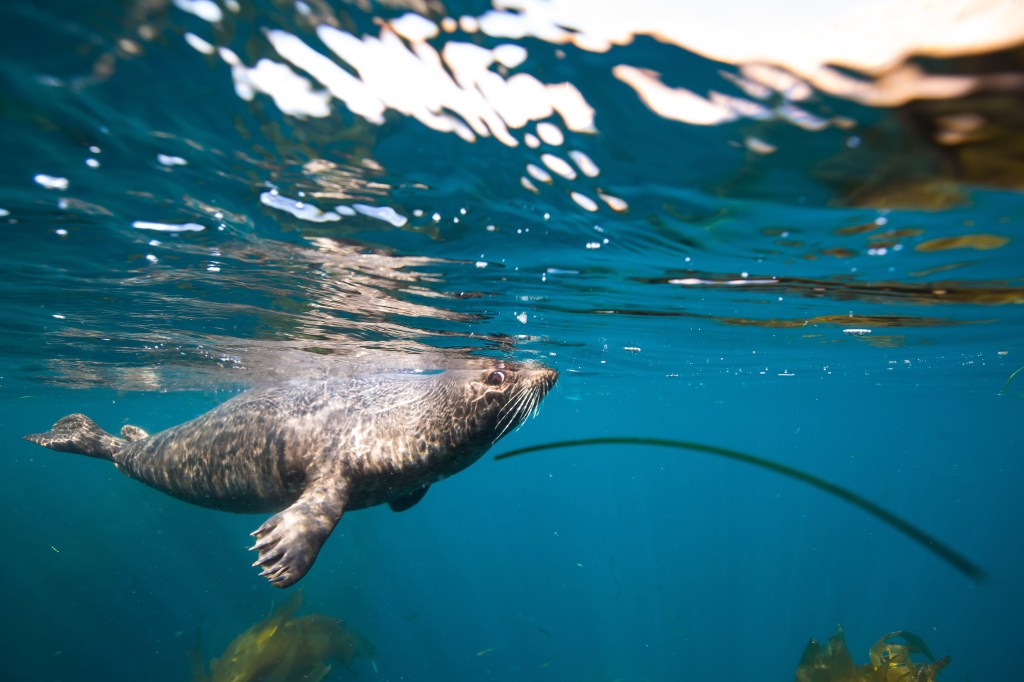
(78, 434)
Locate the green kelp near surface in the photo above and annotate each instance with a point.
(891, 661)
(282, 648)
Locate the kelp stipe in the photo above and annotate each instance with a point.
(1012, 376)
(929, 542)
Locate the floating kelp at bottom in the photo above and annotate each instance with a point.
(282, 648)
(891, 661)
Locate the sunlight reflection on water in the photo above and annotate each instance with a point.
(351, 199)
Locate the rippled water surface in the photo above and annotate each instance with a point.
(794, 233)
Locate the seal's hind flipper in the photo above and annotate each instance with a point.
(133, 433)
(78, 434)
(289, 541)
(409, 501)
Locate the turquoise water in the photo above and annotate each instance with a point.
(178, 224)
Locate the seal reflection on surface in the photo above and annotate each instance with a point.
(314, 449)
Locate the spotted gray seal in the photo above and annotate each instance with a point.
(316, 449)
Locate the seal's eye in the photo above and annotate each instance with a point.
(495, 378)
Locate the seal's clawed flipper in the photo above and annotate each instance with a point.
(407, 502)
(289, 541)
(78, 434)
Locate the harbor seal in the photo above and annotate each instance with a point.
(312, 450)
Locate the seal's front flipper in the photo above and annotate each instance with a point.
(78, 434)
(407, 502)
(289, 541)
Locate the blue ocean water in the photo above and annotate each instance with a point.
(199, 196)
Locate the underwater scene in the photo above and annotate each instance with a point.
(702, 321)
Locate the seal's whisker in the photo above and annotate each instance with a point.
(522, 405)
(535, 407)
(506, 421)
(512, 407)
(512, 412)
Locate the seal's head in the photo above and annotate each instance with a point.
(490, 401)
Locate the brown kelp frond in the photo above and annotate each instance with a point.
(284, 646)
(891, 659)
